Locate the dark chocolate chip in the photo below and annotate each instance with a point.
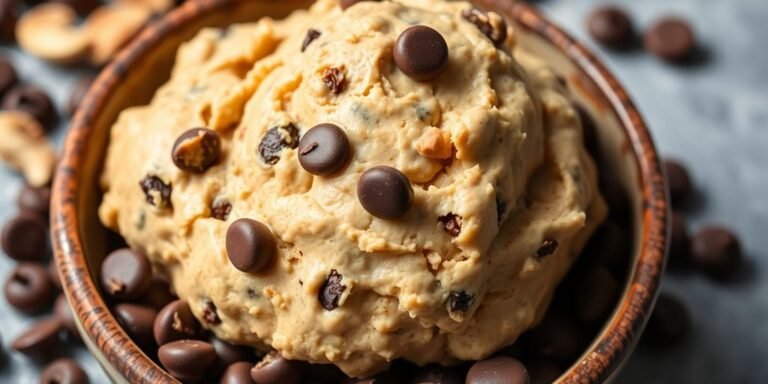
(331, 291)
(25, 237)
(716, 251)
(220, 209)
(436, 374)
(611, 27)
(126, 274)
(159, 294)
(596, 295)
(63, 312)
(491, 24)
(237, 373)
(137, 320)
(543, 372)
(40, 342)
(334, 80)
(312, 35)
(78, 92)
(211, 314)
(156, 191)
(669, 322)
(460, 301)
(8, 76)
(421, 53)
(187, 360)
(29, 289)
(348, 3)
(679, 242)
(32, 100)
(251, 246)
(324, 150)
(175, 322)
(385, 192)
(556, 339)
(679, 182)
(228, 354)
(63, 371)
(548, 247)
(275, 369)
(451, 224)
(670, 39)
(500, 369)
(275, 140)
(196, 150)
(35, 199)
(9, 15)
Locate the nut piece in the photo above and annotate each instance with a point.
(25, 148)
(434, 144)
(109, 28)
(49, 32)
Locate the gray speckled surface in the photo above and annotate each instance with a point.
(713, 116)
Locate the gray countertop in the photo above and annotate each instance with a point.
(712, 115)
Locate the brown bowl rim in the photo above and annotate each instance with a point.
(599, 361)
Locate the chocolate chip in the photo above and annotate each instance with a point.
(125, 274)
(228, 354)
(324, 150)
(348, 3)
(237, 373)
(331, 290)
(421, 53)
(157, 192)
(196, 150)
(78, 92)
(63, 312)
(32, 100)
(437, 374)
(597, 292)
(680, 242)
(63, 371)
(716, 251)
(40, 342)
(670, 39)
(679, 182)
(460, 301)
(29, 289)
(175, 322)
(220, 209)
(500, 369)
(548, 247)
(451, 224)
(312, 35)
(159, 294)
(25, 237)
(611, 26)
(187, 360)
(8, 76)
(35, 199)
(9, 15)
(251, 246)
(137, 321)
(211, 313)
(669, 322)
(542, 371)
(385, 192)
(275, 140)
(556, 339)
(275, 369)
(334, 80)
(491, 24)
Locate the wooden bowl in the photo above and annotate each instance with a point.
(80, 242)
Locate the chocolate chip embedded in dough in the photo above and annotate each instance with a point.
(460, 301)
(196, 150)
(421, 53)
(156, 191)
(548, 247)
(275, 140)
(451, 223)
(491, 24)
(331, 291)
(220, 209)
(334, 80)
(385, 192)
(312, 35)
(251, 246)
(324, 150)
(211, 313)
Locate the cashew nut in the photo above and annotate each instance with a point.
(25, 147)
(48, 31)
(111, 27)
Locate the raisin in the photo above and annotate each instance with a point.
(156, 191)
(451, 224)
(334, 80)
(275, 140)
(331, 291)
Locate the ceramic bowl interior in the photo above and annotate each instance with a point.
(81, 242)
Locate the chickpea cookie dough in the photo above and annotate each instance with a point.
(351, 186)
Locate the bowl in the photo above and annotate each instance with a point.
(80, 242)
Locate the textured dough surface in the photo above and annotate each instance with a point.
(517, 150)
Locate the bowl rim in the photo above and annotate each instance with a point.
(598, 362)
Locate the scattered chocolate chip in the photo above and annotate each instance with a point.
(670, 39)
(9, 15)
(187, 360)
(237, 373)
(556, 339)
(348, 3)
(137, 321)
(220, 209)
(597, 292)
(211, 314)
(63, 312)
(500, 369)
(312, 35)
(716, 251)
(25, 237)
(679, 182)
(680, 242)
(275, 369)
(63, 371)
(335, 80)
(196, 150)
(159, 294)
(157, 192)
(451, 224)
(275, 140)
(29, 289)
(385, 192)
(460, 301)
(437, 374)
(669, 322)
(36, 200)
(251, 246)
(175, 322)
(331, 290)
(32, 100)
(41, 341)
(491, 24)
(611, 27)
(228, 354)
(421, 53)
(324, 150)
(543, 372)
(548, 247)
(125, 274)
(8, 76)
(78, 92)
